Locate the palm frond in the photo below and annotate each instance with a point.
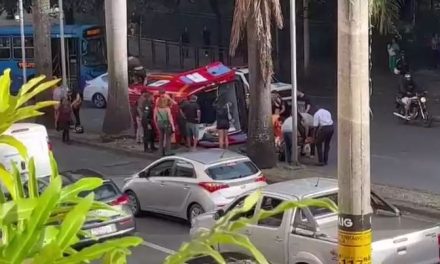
(384, 14)
(260, 13)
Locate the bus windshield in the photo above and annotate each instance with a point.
(95, 52)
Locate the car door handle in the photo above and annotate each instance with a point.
(162, 184)
(247, 232)
(278, 239)
(186, 187)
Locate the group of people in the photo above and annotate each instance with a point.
(315, 126)
(156, 115)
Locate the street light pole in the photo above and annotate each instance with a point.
(23, 49)
(294, 82)
(63, 48)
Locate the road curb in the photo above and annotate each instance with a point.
(411, 201)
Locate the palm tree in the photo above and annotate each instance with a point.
(117, 115)
(255, 16)
(43, 54)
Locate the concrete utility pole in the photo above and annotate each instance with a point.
(23, 42)
(294, 82)
(63, 46)
(306, 34)
(354, 133)
(117, 115)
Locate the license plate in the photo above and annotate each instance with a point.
(103, 230)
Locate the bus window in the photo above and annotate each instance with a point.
(5, 47)
(95, 52)
(29, 45)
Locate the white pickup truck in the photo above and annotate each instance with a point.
(309, 235)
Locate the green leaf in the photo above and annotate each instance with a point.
(25, 88)
(73, 222)
(17, 250)
(240, 240)
(84, 184)
(7, 181)
(32, 181)
(19, 191)
(13, 211)
(24, 98)
(53, 167)
(5, 83)
(11, 141)
(98, 250)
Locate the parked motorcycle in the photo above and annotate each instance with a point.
(417, 110)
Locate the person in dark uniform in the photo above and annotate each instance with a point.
(147, 123)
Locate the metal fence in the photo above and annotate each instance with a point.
(170, 55)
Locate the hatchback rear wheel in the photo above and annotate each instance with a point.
(194, 211)
(134, 203)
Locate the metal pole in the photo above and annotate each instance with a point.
(354, 202)
(294, 82)
(63, 48)
(23, 49)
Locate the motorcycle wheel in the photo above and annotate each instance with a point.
(427, 122)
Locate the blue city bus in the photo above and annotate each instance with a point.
(85, 53)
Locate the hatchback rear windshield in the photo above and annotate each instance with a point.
(232, 170)
(105, 192)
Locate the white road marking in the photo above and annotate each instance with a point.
(159, 248)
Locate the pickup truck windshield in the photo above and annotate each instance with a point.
(232, 170)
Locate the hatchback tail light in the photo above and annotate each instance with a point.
(261, 178)
(121, 200)
(212, 186)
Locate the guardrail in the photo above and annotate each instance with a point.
(171, 55)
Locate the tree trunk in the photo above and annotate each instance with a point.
(306, 25)
(43, 54)
(117, 115)
(261, 143)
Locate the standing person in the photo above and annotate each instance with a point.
(140, 107)
(164, 122)
(435, 50)
(76, 102)
(278, 105)
(182, 122)
(184, 38)
(206, 39)
(287, 130)
(222, 112)
(393, 50)
(323, 123)
(64, 114)
(302, 97)
(147, 123)
(192, 114)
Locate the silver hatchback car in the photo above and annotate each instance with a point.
(189, 184)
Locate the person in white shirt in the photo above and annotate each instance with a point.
(286, 129)
(323, 123)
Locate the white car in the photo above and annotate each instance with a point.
(96, 91)
(189, 184)
(284, 89)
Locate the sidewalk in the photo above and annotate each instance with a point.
(412, 201)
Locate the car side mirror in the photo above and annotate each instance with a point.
(143, 174)
(219, 214)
